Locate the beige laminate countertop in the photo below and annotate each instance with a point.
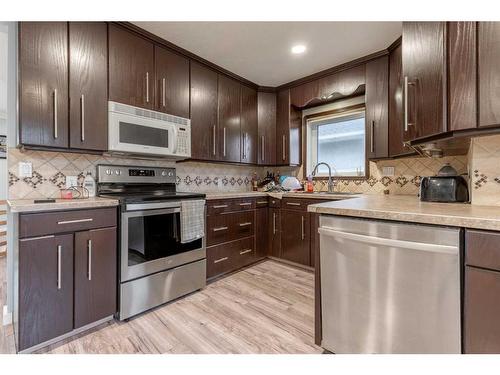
(252, 194)
(28, 205)
(409, 208)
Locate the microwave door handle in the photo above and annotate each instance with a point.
(174, 139)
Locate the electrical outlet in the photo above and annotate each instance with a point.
(25, 169)
(71, 181)
(388, 171)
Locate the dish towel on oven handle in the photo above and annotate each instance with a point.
(192, 220)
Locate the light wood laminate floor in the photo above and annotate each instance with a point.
(266, 308)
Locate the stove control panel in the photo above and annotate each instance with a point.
(132, 174)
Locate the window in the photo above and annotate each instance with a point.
(337, 139)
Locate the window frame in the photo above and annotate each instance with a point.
(316, 116)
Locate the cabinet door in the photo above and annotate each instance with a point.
(462, 78)
(248, 125)
(489, 73)
(424, 68)
(45, 289)
(43, 84)
(131, 68)
(229, 119)
(396, 120)
(295, 237)
(95, 275)
(376, 99)
(266, 109)
(88, 85)
(481, 311)
(275, 232)
(203, 113)
(172, 83)
(261, 232)
(283, 128)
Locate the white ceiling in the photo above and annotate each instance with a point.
(260, 51)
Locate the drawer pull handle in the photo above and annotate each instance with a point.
(245, 224)
(220, 206)
(246, 204)
(74, 221)
(219, 229)
(245, 251)
(261, 202)
(293, 204)
(221, 260)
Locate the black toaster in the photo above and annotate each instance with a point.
(444, 189)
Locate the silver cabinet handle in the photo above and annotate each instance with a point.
(224, 142)
(219, 229)
(246, 204)
(147, 87)
(245, 251)
(372, 136)
(74, 221)
(293, 204)
(82, 101)
(213, 134)
(245, 224)
(407, 83)
(59, 271)
(244, 145)
(55, 114)
(164, 90)
(284, 152)
(303, 228)
(261, 202)
(220, 206)
(274, 222)
(263, 156)
(89, 250)
(220, 260)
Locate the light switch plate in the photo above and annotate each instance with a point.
(71, 181)
(25, 169)
(388, 171)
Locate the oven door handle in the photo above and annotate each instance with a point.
(148, 207)
(137, 213)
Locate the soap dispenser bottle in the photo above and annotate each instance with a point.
(89, 184)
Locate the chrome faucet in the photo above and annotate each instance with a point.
(331, 184)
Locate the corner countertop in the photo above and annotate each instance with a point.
(254, 194)
(409, 208)
(28, 205)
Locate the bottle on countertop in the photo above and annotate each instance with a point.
(89, 184)
(309, 184)
(254, 181)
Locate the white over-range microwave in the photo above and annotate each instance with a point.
(137, 131)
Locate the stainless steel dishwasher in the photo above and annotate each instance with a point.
(389, 287)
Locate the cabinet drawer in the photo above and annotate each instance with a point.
(230, 256)
(245, 252)
(39, 224)
(295, 204)
(228, 227)
(482, 249)
(274, 202)
(261, 202)
(215, 207)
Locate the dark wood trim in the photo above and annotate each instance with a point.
(304, 145)
(165, 43)
(266, 89)
(335, 69)
(395, 44)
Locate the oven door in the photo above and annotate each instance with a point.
(139, 135)
(150, 243)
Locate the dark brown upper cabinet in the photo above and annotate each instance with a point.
(488, 39)
(204, 135)
(172, 83)
(95, 275)
(131, 68)
(266, 109)
(88, 89)
(462, 78)
(424, 78)
(376, 114)
(229, 109)
(248, 125)
(43, 84)
(288, 130)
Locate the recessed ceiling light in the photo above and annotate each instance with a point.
(298, 49)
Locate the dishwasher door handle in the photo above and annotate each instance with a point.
(444, 249)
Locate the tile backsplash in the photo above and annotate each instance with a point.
(484, 157)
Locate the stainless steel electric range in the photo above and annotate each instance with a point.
(154, 265)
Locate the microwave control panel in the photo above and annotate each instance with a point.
(183, 141)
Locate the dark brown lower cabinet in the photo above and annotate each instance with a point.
(295, 237)
(275, 232)
(45, 288)
(261, 232)
(95, 276)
